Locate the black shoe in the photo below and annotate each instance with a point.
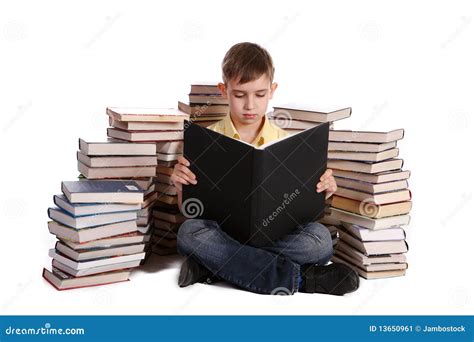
(192, 272)
(336, 279)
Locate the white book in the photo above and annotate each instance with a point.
(88, 254)
(116, 161)
(113, 147)
(364, 234)
(144, 135)
(110, 241)
(96, 173)
(79, 265)
(89, 234)
(95, 270)
(360, 258)
(370, 223)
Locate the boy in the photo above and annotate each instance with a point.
(296, 262)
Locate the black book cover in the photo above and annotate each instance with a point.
(256, 194)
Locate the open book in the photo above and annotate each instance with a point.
(256, 194)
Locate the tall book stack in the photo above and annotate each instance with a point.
(372, 202)
(164, 128)
(295, 118)
(119, 160)
(95, 223)
(166, 215)
(206, 105)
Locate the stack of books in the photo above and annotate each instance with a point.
(161, 127)
(146, 124)
(295, 118)
(372, 202)
(95, 223)
(167, 219)
(164, 128)
(118, 160)
(164, 237)
(206, 104)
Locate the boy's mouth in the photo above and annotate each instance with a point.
(249, 116)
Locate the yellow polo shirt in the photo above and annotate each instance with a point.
(268, 133)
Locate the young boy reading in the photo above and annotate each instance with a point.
(296, 262)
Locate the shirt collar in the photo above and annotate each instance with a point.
(262, 137)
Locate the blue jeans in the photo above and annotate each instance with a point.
(273, 269)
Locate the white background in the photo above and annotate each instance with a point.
(401, 65)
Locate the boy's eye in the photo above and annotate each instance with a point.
(239, 96)
(260, 95)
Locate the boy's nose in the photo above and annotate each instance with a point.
(249, 104)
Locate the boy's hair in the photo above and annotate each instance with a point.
(245, 62)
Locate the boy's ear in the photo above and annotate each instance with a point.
(222, 89)
(273, 88)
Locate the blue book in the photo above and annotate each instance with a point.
(89, 221)
(84, 209)
(102, 191)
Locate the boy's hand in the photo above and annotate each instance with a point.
(328, 183)
(181, 174)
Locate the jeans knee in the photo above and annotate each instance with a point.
(186, 234)
(319, 243)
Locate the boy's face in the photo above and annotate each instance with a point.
(248, 102)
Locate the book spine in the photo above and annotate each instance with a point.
(49, 214)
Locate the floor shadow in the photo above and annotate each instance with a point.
(156, 263)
